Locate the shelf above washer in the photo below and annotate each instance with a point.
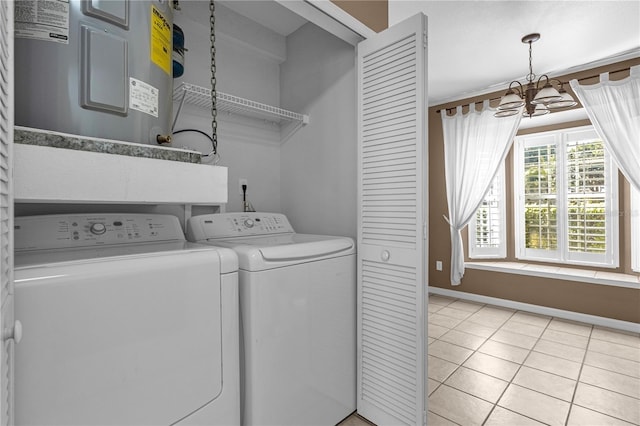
(48, 174)
(288, 121)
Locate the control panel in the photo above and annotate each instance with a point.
(231, 225)
(70, 231)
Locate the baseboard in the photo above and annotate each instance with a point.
(537, 309)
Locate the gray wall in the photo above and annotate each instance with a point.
(248, 66)
(311, 177)
(318, 164)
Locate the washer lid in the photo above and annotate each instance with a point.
(258, 253)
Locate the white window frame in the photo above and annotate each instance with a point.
(635, 229)
(560, 138)
(500, 252)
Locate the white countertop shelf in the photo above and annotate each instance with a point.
(288, 121)
(45, 174)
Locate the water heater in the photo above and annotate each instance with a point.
(99, 68)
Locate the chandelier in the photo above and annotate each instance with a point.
(536, 100)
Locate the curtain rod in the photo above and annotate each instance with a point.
(565, 82)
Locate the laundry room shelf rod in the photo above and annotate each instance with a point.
(201, 97)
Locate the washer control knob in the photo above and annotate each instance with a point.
(98, 228)
(248, 223)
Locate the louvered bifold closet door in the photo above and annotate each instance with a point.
(392, 157)
(6, 207)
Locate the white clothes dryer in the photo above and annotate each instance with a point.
(124, 323)
(298, 318)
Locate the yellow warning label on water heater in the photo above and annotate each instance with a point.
(160, 40)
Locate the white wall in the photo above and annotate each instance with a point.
(318, 164)
(312, 176)
(248, 65)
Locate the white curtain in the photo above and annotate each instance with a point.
(475, 144)
(614, 109)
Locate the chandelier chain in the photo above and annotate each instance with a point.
(531, 75)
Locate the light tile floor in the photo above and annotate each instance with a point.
(495, 366)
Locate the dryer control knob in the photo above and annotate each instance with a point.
(98, 228)
(248, 223)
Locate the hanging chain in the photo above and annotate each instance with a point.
(531, 75)
(214, 105)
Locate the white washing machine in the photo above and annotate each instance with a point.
(124, 323)
(298, 318)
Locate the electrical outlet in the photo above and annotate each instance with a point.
(438, 265)
(242, 181)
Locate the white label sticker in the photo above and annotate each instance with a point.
(42, 20)
(143, 97)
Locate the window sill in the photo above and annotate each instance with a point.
(557, 272)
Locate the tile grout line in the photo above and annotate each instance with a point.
(516, 373)
(440, 384)
(577, 380)
(605, 389)
(520, 365)
(450, 374)
(494, 404)
(575, 390)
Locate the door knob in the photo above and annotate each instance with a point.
(385, 255)
(14, 332)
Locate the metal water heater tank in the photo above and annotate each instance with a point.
(95, 68)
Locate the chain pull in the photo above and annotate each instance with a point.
(214, 100)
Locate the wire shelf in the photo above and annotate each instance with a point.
(201, 97)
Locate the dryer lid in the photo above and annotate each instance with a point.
(258, 253)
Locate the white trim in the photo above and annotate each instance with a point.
(309, 11)
(499, 252)
(541, 310)
(520, 143)
(560, 139)
(556, 272)
(635, 229)
(558, 117)
(340, 15)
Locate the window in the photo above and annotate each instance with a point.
(566, 202)
(486, 231)
(635, 229)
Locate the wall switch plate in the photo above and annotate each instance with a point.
(242, 181)
(438, 265)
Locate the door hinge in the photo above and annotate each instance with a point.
(424, 39)
(424, 417)
(424, 230)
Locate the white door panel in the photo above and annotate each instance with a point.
(6, 212)
(392, 183)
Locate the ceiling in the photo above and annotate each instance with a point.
(267, 13)
(475, 46)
